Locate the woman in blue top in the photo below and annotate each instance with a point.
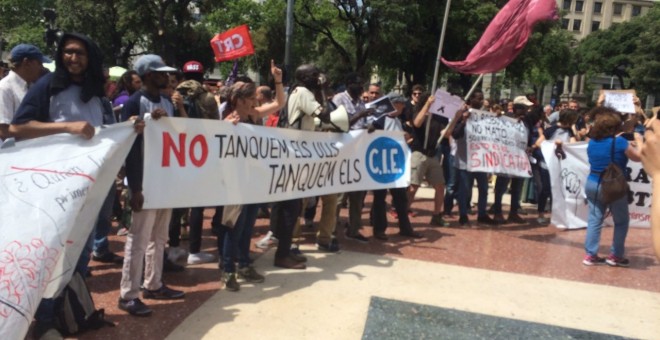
(607, 124)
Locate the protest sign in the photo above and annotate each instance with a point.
(496, 144)
(568, 177)
(232, 44)
(197, 162)
(382, 106)
(620, 100)
(52, 191)
(446, 104)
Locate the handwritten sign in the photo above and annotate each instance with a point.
(446, 104)
(218, 163)
(622, 102)
(52, 191)
(496, 144)
(568, 177)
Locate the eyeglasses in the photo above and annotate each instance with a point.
(416, 93)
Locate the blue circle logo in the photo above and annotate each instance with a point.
(385, 160)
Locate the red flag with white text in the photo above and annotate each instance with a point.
(232, 44)
(505, 36)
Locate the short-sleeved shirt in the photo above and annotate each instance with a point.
(352, 107)
(12, 90)
(303, 106)
(65, 106)
(141, 102)
(599, 152)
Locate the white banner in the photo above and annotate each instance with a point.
(496, 144)
(196, 162)
(569, 201)
(51, 192)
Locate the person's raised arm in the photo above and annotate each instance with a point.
(280, 96)
(421, 115)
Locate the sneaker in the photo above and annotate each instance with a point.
(438, 220)
(249, 274)
(163, 293)
(331, 247)
(134, 307)
(380, 236)
(486, 220)
(200, 257)
(591, 260)
(267, 241)
(289, 263)
(176, 253)
(543, 221)
(230, 282)
(123, 231)
(108, 257)
(357, 237)
(171, 267)
(515, 218)
(615, 261)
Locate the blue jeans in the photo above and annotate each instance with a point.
(466, 179)
(501, 184)
(237, 239)
(619, 209)
(104, 224)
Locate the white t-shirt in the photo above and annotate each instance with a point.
(12, 90)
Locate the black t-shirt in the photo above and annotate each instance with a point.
(437, 124)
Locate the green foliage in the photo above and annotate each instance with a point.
(645, 61)
(21, 21)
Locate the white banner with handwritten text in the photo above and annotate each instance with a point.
(51, 190)
(568, 177)
(496, 144)
(197, 162)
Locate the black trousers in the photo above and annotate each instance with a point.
(379, 210)
(285, 215)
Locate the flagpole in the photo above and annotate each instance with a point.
(437, 67)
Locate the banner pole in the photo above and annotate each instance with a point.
(437, 67)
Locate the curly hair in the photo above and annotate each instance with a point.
(239, 90)
(607, 122)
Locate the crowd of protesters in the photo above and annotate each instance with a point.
(76, 98)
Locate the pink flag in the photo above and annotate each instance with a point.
(505, 36)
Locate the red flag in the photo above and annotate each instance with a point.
(505, 36)
(232, 44)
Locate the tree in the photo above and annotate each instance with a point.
(22, 21)
(645, 61)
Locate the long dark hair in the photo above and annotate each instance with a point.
(93, 84)
(125, 83)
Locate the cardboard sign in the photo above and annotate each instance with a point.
(496, 144)
(446, 104)
(232, 44)
(620, 100)
(218, 163)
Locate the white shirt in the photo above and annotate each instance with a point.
(352, 107)
(302, 105)
(12, 90)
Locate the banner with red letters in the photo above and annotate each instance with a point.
(232, 44)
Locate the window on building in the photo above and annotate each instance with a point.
(598, 7)
(567, 5)
(564, 23)
(636, 10)
(595, 26)
(579, 5)
(618, 9)
(577, 24)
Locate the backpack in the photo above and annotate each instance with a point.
(75, 311)
(613, 182)
(283, 119)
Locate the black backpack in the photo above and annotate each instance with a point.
(75, 311)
